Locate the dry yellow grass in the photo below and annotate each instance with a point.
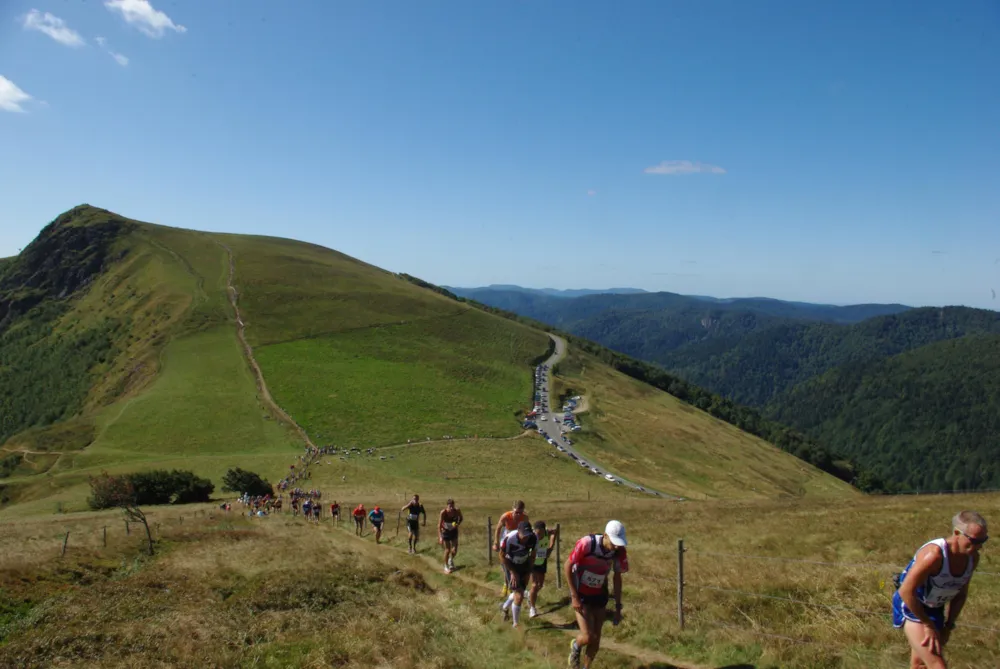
(279, 592)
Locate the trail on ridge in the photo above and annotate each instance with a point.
(264, 393)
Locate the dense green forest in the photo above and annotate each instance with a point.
(764, 365)
(45, 374)
(928, 419)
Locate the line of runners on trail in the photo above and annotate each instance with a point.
(930, 591)
(524, 551)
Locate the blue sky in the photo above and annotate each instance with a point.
(843, 152)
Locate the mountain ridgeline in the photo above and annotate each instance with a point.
(904, 392)
(135, 346)
(46, 363)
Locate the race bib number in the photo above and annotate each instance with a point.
(543, 552)
(592, 580)
(518, 559)
(413, 516)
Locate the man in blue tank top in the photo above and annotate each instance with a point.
(937, 576)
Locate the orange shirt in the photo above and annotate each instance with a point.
(512, 519)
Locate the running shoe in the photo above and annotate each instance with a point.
(505, 591)
(573, 661)
(533, 613)
(506, 613)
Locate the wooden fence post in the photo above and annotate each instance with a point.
(489, 542)
(680, 583)
(558, 561)
(127, 531)
(65, 541)
(105, 536)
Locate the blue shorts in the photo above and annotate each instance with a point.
(901, 613)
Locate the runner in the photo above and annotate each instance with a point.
(377, 518)
(451, 518)
(586, 571)
(508, 522)
(335, 510)
(359, 519)
(546, 544)
(413, 510)
(938, 574)
(517, 554)
(317, 510)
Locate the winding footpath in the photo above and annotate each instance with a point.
(263, 392)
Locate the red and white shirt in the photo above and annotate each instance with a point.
(592, 563)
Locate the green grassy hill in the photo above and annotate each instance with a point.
(121, 352)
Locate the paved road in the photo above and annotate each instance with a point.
(553, 427)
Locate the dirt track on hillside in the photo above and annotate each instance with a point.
(263, 393)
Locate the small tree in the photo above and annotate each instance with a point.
(108, 491)
(238, 480)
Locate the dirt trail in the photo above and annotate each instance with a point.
(264, 393)
(430, 564)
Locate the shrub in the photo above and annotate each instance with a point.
(238, 480)
(152, 487)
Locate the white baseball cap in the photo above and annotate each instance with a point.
(616, 533)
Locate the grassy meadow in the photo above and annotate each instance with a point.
(459, 375)
(653, 438)
(229, 591)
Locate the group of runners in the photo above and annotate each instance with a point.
(525, 550)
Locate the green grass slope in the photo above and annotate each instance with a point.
(652, 437)
(354, 354)
(926, 419)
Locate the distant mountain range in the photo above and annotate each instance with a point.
(550, 292)
(904, 391)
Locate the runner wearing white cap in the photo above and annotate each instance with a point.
(586, 572)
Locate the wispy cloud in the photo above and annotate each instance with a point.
(121, 59)
(53, 26)
(141, 14)
(672, 167)
(11, 96)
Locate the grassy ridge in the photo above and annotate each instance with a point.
(652, 437)
(292, 290)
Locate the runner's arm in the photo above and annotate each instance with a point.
(568, 573)
(441, 523)
(618, 590)
(496, 534)
(955, 607)
(928, 562)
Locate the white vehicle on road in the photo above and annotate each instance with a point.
(609, 477)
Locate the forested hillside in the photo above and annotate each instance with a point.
(764, 365)
(46, 365)
(928, 419)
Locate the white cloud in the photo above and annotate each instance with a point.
(53, 26)
(683, 167)
(144, 16)
(121, 59)
(11, 96)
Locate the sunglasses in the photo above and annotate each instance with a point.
(975, 542)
